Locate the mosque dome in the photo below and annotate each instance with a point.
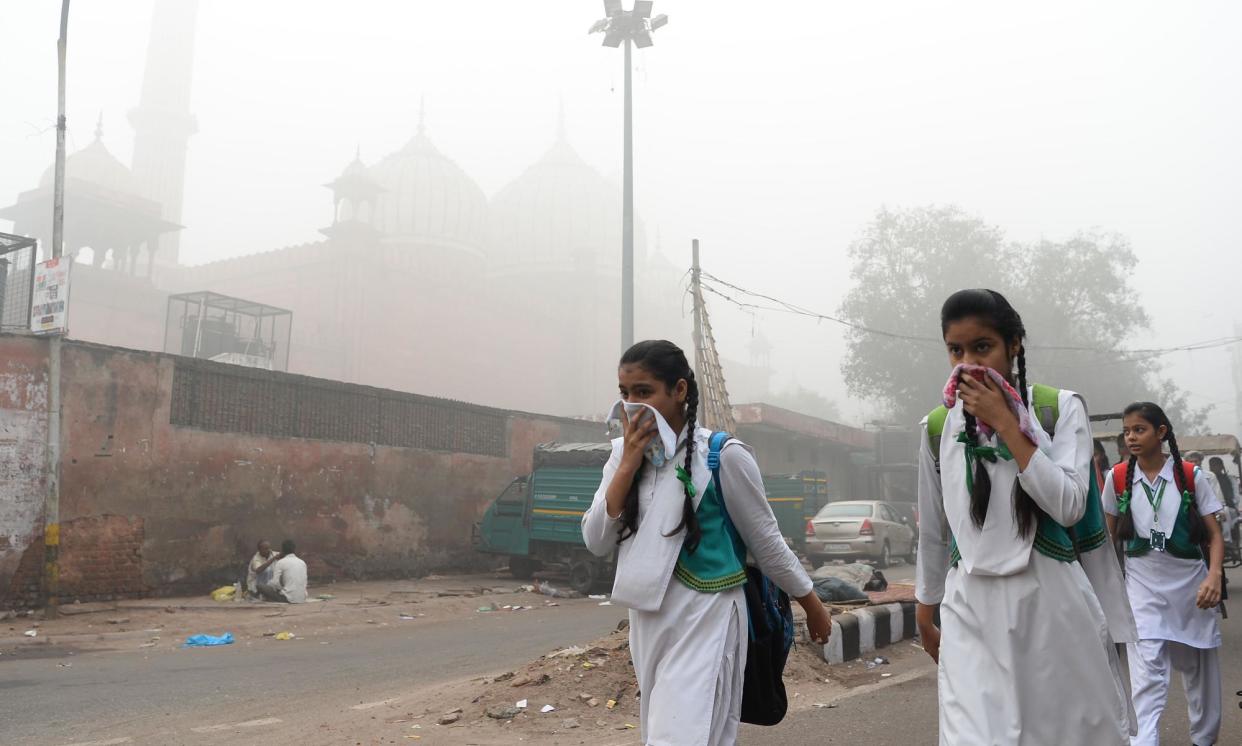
(426, 196)
(95, 164)
(560, 213)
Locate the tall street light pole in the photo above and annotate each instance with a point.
(50, 585)
(633, 28)
(58, 187)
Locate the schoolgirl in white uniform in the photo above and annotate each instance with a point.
(678, 570)
(1025, 648)
(1163, 525)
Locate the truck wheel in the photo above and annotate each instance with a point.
(583, 575)
(523, 568)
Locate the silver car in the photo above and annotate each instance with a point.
(861, 529)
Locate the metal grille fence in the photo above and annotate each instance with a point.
(243, 400)
(17, 264)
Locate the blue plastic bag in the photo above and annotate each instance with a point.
(205, 641)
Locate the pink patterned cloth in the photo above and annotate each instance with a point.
(1025, 423)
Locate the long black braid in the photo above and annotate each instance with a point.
(993, 309)
(1156, 417)
(689, 519)
(1125, 522)
(981, 494)
(1198, 531)
(667, 363)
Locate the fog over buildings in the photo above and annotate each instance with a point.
(475, 149)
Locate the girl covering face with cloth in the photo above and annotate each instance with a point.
(1011, 543)
(679, 569)
(1163, 510)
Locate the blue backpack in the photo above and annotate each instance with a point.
(771, 633)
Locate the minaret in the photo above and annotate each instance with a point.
(163, 122)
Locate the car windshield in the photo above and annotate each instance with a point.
(838, 510)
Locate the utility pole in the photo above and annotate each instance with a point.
(50, 587)
(633, 27)
(58, 188)
(627, 213)
(715, 410)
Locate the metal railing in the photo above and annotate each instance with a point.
(18, 255)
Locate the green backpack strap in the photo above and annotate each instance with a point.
(1047, 403)
(935, 428)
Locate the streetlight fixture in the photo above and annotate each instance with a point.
(634, 28)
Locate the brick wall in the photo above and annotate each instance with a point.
(100, 560)
(172, 470)
(23, 449)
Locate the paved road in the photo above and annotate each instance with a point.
(212, 696)
(158, 698)
(904, 712)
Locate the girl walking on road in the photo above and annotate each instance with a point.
(1012, 542)
(1163, 510)
(679, 568)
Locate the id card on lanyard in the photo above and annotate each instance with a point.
(1157, 536)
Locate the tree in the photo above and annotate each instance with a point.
(1075, 299)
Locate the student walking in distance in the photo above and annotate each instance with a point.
(1163, 511)
(1013, 551)
(681, 551)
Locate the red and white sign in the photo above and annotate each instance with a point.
(49, 305)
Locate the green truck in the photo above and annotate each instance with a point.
(536, 521)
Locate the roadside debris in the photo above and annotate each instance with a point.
(502, 713)
(547, 589)
(449, 718)
(31, 633)
(838, 590)
(206, 641)
(547, 708)
(122, 620)
(877, 661)
(224, 593)
(284, 635)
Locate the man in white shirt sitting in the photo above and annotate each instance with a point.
(288, 580)
(259, 570)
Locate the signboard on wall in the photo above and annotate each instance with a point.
(49, 304)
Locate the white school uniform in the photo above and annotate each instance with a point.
(689, 648)
(1026, 655)
(1174, 633)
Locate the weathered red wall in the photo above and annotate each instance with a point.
(23, 448)
(202, 499)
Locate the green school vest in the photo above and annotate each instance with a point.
(1051, 538)
(717, 564)
(1178, 543)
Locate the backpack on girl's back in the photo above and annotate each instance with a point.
(1162, 510)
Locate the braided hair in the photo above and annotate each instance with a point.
(993, 309)
(667, 363)
(1155, 416)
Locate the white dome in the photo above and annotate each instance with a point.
(96, 165)
(560, 213)
(428, 197)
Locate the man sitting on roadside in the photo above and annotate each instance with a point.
(260, 568)
(288, 581)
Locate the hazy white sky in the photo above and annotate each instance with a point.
(770, 131)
